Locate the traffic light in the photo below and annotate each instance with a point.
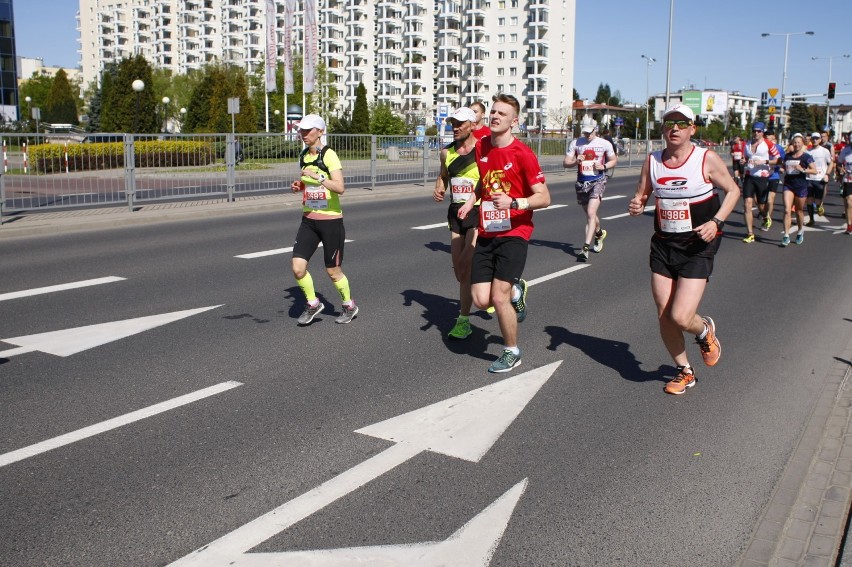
(831, 87)
(771, 122)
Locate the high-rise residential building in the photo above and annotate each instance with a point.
(413, 55)
(8, 64)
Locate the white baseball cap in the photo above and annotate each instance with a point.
(815, 135)
(589, 127)
(680, 109)
(310, 121)
(463, 114)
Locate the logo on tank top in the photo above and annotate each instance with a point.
(678, 183)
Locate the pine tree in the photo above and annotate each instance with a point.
(361, 112)
(60, 107)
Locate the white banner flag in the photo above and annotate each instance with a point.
(311, 45)
(289, 10)
(271, 46)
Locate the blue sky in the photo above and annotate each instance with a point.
(714, 44)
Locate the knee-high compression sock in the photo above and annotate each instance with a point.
(307, 285)
(342, 286)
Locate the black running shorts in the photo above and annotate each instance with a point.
(459, 226)
(498, 258)
(847, 190)
(756, 187)
(330, 232)
(691, 259)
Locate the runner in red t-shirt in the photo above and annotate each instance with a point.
(511, 185)
(738, 159)
(480, 130)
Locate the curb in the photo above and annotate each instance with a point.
(805, 521)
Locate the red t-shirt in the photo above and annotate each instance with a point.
(512, 170)
(481, 132)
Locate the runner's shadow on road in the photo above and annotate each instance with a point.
(440, 312)
(607, 352)
(566, 247)
(438, 246)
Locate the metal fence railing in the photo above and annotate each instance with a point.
(69, 170)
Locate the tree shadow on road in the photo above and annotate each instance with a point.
(440, 312)
(614, 354)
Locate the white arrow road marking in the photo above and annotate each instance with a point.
(472, 545)
(60, 287)
(648, 208)
(71, 341)
(114, 423)
(444, 224)
(253, 255)
(613, 197)
(464, 426)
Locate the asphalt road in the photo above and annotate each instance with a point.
(617, 472)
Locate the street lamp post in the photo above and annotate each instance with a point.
(827, 100)
(781, 122)
(166, 101)
(29, 108)
(138, 86)
(647, 95)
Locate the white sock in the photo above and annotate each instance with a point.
(513, 349)
(516, 293)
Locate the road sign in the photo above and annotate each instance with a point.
(772, 92)
(771, 110)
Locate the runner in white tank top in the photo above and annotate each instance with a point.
(687, 225)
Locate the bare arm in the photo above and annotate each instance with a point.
(643, 190)
(441, 182)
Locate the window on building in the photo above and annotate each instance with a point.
(513, 71)
(501, 21)
(500, 72)
(513, 55)
(501, 55)
(501, 38)
(513, 21)
(513, 38)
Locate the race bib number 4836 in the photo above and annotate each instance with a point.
(494, 220)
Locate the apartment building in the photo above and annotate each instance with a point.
(9, 110)
(413, 55)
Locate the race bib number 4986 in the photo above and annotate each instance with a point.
(673, 215)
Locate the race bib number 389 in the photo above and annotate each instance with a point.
(673, 215)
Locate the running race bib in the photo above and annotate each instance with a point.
(673, 215)
(461, 189)
(847, 177)
(494, 220)
(791, 167)
(587, 167)
(315, 197)
(737, 155)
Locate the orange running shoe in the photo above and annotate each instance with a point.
(684, 379)
(710, 347)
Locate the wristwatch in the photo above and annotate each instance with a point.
(514, 204)
(720, 224)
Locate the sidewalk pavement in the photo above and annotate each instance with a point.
(805, 522)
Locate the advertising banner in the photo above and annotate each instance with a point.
(271, 46)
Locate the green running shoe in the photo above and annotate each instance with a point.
(461, 330)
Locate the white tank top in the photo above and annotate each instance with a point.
(685, 198)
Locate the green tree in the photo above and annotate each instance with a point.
(361, 112)
(603, 95)
(801, 119)
(123, 109)
(208, 106)
(37, 88)
(60, 106)
(575, 95)
(383, 121)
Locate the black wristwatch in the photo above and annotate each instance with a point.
(720, 224)
(514, 204)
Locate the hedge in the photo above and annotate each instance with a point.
(50, 158)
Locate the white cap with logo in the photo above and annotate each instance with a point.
(681, 109)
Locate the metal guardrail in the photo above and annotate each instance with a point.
(232, 166)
